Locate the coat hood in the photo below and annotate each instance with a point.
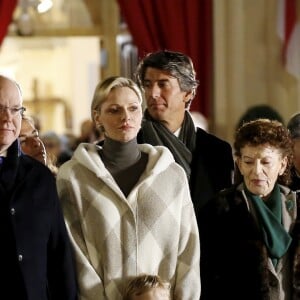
(88, 156)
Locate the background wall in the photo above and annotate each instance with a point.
(59, 73)
(248, 68)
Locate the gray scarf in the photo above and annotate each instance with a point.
(182, 147)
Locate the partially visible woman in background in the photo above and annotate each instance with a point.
(32, 145)
(250, 233)
(127, 206)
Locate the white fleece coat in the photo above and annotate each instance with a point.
(153, 230)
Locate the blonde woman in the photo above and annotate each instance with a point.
(127, 206)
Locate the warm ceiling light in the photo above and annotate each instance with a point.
(44, 6)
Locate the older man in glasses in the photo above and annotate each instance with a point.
(36, 262)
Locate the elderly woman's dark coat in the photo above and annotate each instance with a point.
(36, 257)
(234, 258)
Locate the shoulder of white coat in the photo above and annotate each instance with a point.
(164, 159)
(86, 151)
(83, 148)
(157, 150)
(85, 154)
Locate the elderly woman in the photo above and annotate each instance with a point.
(250, 233)
(127, 206)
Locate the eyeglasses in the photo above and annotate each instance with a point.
(14, 111)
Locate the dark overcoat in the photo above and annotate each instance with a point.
(211, 164)
(234, 259)
(212, 168)
(36, 256)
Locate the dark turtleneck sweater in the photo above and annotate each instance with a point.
(124, 161)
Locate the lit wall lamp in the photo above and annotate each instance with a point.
(25, 22)
(44, 6)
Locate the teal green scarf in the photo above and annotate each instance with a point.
(276, 239)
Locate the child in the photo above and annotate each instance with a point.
(147, 287)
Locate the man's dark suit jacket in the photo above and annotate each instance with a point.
(211, 167)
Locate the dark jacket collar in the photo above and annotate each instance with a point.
(10, 165)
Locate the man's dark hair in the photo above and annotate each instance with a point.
(176, 64)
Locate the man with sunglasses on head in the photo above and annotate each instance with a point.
(168, 80)
(36, 258)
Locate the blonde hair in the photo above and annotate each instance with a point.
(105, 87)
(144, 283)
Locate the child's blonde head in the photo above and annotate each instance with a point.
(143, 284)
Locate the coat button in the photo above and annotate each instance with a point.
(20, 257)
(12, 211)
